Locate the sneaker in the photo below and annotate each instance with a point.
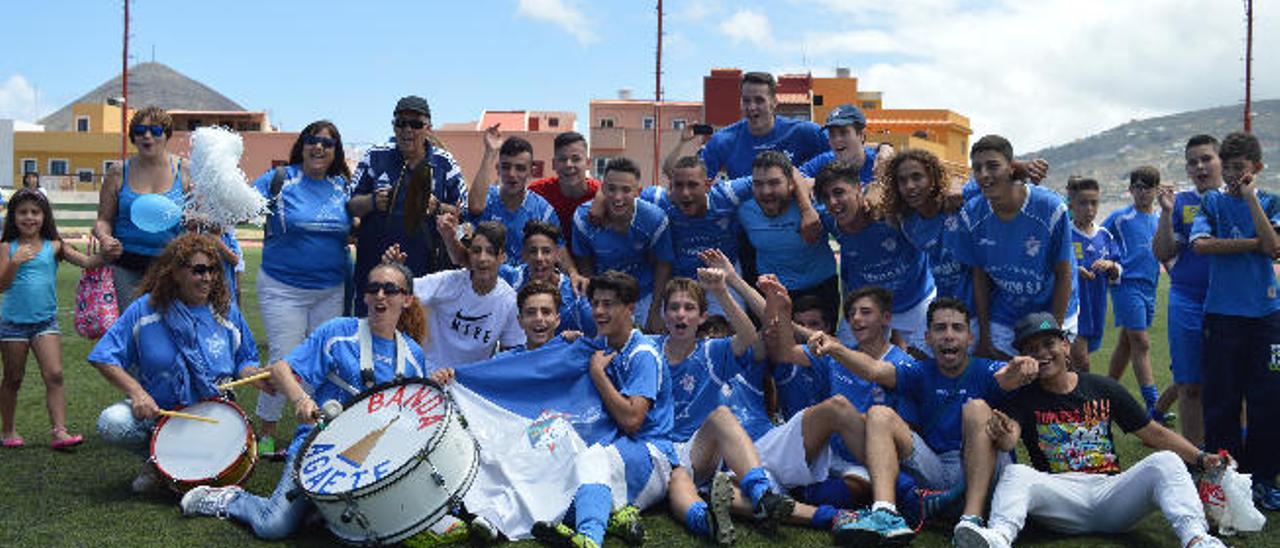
(874, 528)
(924, 504)
(1266, 495)
(771, 510)
(626, 525)
(722, 532)
(267, 449)
(559, 534)
(1206, 541)
(208, 501)
(146, 481)
(969, 534)
(454, 532)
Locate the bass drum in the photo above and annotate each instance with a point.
(396, 459)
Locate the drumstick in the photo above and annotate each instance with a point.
(181, 415)
(246, 380)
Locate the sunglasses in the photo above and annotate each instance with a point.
(409, 123)
(389, 288)
(142, 129)
(326, 142)
(202, 269)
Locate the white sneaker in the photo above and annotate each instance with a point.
(146, 481)
(1206, 541)
(971, 535)
(208, 501)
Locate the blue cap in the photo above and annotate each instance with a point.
(846, 115)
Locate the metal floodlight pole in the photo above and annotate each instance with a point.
(1248, 66)
(124, 89)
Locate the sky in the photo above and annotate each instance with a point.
(1041, 72)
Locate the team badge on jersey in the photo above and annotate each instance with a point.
(1033, 246)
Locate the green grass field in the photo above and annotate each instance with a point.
(82, 498)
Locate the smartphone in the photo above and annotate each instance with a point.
(703, 129)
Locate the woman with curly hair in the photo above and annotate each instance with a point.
(180, 338)
(915, 193)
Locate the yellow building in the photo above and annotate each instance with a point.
(71, 160)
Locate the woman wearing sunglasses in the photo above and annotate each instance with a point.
(304, 252)
(399, 188)
(171, 347)
(151, 170)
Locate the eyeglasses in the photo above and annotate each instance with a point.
(312, 139)
(202, 269)
(413, 123)
(389, 288)
(141, 129)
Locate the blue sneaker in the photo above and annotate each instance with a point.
(920, 504)
(873, 528)
(1266, 495)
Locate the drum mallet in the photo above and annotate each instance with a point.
(181, 415)
(250, 379)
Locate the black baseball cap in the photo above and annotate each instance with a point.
(1033, 324)
(413, 103)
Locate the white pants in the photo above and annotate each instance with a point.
(1077, 503)
(288, 315)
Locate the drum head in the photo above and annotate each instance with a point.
(187, 450)
(375, 436)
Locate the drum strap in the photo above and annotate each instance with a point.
(365, 336)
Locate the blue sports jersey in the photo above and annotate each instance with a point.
(734, 148)
(1189, 272)
(1133, 230)
(534, 208)
(305, 240)
(866, 175)
(634, 253)
(801, 386)
(638, 370)
(936, 238)
(718, 228)
(880, 255)
(1020, 254)
(141, 341)
(1093, 293)
(746, 397)
(700, 383)
(933, 402)
(1240, 284)
(334, 348)
(575, 310)
(780, 250)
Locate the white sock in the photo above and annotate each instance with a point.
(882, 505)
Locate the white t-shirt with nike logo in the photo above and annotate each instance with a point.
(466, 327)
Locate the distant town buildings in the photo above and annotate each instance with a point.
(465, 140)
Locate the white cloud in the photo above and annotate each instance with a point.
(561, 13)
(18, 99)
(748, 26)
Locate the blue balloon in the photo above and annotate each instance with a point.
(155, 213)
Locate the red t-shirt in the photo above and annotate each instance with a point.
(549, 188)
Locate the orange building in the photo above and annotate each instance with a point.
(465, 140)
(625, 127)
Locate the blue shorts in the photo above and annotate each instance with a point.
(1186, 337)
(1094, 342)
(1134, 304)
(10, 331)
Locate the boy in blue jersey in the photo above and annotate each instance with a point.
(509, 202)
(539, 254)
(772, 221)
(631, 471)
(537, 303)
(1096, 267)
(916, 195)
(734, 148)
(1188, 279)
(1134, 298)
(1017, 238)
(844, 128)
(875, 253)
(633, 238)
(939, 431)
(1237, 227)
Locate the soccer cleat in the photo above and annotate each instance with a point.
(872, 528)
(923, 504)
(1266, 495)
(969, 534)
(626, 525)
(561, 535)
(722, 532)
(772, 509)
(208, 501)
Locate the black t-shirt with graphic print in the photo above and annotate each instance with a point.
(1072, 432)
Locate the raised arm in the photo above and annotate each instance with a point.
(744, 332)
(779, 334)
(1163, 244)
(478, 186)
(680, 150)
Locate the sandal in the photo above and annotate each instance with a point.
(14, 442)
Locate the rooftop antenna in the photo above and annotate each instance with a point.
(1248, 66)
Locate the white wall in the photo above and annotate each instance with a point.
(6, 153)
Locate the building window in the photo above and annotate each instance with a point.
(553, 122)
(601, 162)
(84, 175)
(29, 165)
(82, 124)
(817, 100)
(868, 105)
(648, 122)
(606, 122)
(58, 167)
(678, 123)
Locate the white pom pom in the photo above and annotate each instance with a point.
(220, 194)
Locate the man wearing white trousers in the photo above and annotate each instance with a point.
(1076, 485)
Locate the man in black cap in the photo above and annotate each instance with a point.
(1074, 484)
(399, 188)
(845, 126)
